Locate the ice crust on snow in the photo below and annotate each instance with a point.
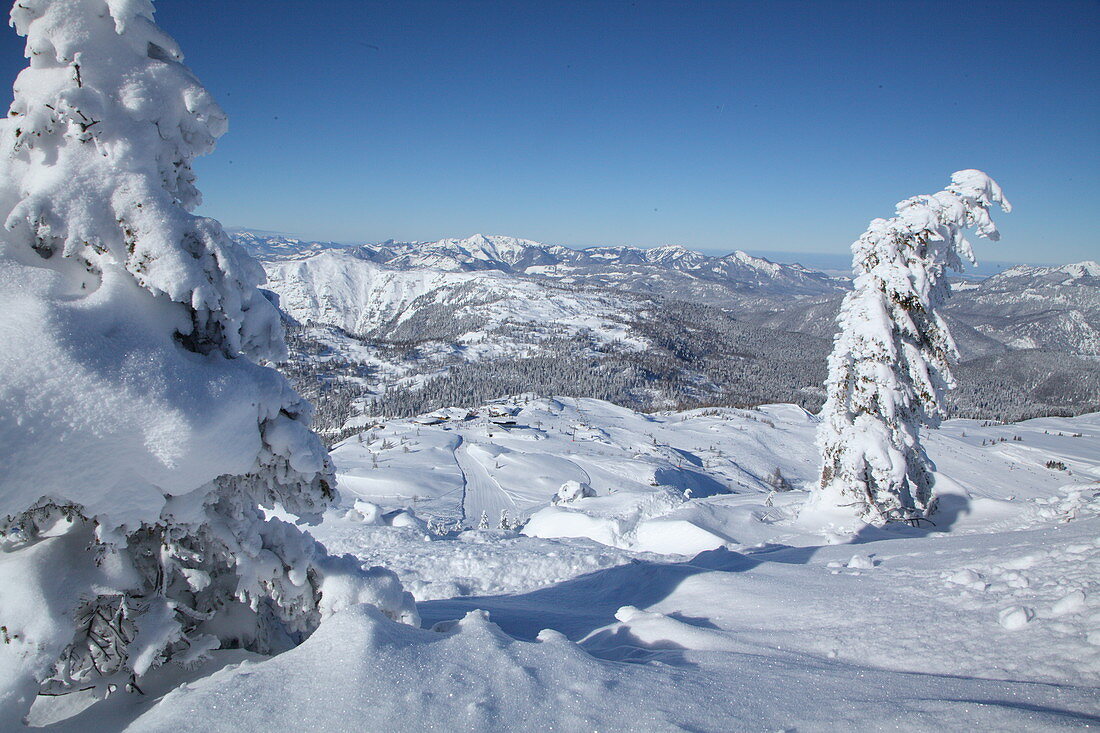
(388, 673)
(722, 641)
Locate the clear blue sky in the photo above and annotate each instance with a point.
(751, 125)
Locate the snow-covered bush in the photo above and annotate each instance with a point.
(140, 440)
(890, 362)
(571, 491)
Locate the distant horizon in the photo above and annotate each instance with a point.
(828, 262)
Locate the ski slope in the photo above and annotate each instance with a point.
(481, 493)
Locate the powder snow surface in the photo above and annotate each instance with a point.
(989, 620)
(99, 405)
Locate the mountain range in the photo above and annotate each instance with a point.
(405, 327)
(671, 271)
(1053, 309)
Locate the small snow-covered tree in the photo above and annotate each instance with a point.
(140, 437)
(890, 361)
(778, 481)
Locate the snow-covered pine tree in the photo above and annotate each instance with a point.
(890, 362)
(140, 439)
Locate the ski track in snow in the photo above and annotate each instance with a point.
(465, 478)
(482, 493)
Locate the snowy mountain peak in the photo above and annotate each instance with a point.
(671, 251)
(745, 257)
(1088, 268)
(761, 264)
(498, 247)
(1077, 273)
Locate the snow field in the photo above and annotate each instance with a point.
(724, 641)
(987, 620)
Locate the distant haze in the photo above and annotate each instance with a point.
(832, 263)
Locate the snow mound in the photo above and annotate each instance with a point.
(634, 520)
(346, 584)
(1015, 618)
(571, 491)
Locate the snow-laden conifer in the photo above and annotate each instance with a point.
(890, 362)
(140, 439)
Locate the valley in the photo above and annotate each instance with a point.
(400, 329)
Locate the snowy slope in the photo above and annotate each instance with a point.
(459, 337)
(1072, 274)
(608, 447)
(341, 289)
(989, 620)
(641, 465)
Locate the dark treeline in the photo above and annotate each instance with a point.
(699, 356)
(1019, 385)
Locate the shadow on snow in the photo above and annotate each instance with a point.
(581, 605)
